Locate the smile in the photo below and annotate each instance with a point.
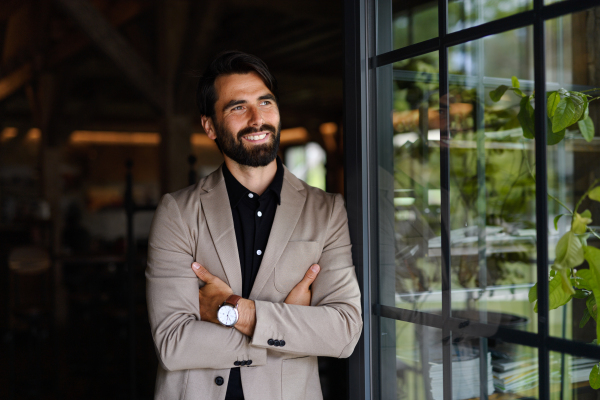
(255, 137)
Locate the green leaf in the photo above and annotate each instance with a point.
(587, 214)
(579, 101)
(552, 103)
(556, 220)
(497, 93)
(569, 252)
(525, 118)
(580, 223)
(515, 82)
(533, 293)
(586, 317)
(592, 256)
(563, 115)
(595, 377)
(586, 109)
(585, 279)
(558, 296)
(553, 137)
(594, 194)
(590, 303)
(586, 127)
(519, 92)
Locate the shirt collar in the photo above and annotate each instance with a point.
(236, 191)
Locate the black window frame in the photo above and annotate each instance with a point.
(360, 152)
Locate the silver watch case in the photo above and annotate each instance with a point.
(227, 315)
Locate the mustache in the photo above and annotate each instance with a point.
(264, 127)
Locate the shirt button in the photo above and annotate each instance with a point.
(250, 195)
(219, 380)
(258, 252)
(259, 214)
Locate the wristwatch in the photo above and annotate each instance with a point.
(228, 312)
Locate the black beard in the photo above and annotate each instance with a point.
(257, 155)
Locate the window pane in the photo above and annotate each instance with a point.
(402, 23)
(467, 13)
(569, 377)
(410, 364)
(573, 168)
(409, 183)
(492, 186)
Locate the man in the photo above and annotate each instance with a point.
(250, 229)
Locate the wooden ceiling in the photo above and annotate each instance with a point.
(126, 64)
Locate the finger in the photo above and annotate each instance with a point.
(311, 274)
(202, 272)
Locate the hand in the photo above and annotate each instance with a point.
(211, 295)
(301, 294)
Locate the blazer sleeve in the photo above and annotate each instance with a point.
(182, 340)
(332, 325)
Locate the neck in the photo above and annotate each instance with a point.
(256, 179)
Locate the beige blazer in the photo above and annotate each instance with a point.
(195, 224)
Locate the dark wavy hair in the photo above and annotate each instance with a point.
(226, 63)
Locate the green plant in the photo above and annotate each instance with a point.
(565, 109)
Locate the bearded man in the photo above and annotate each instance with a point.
(250, 273)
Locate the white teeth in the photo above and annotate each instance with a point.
(256, 137)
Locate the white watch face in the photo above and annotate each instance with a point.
(227, 315)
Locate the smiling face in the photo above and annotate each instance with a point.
(246, 121)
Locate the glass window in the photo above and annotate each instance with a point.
(467, 13)
(409, 184)
(461, 193)
(492, 186)
(573, 170)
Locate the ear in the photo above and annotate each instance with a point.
(208, 126)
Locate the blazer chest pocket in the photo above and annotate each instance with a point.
(293, 264)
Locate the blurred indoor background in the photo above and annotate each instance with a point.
(98, 120)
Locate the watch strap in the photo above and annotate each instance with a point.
(233, 300)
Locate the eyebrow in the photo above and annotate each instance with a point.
(234, 103)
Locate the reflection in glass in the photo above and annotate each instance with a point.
(569, 377)
(409, 183)
(492, 186)
(573, 167)
(467, 13)
(411, 365)
(401, 23)
(416, 353)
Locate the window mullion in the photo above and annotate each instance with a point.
(541, 181)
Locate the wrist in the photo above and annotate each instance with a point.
(246, 317)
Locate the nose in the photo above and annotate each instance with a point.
(256, 118)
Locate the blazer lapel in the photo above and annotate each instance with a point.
(288, 212)
(217, 211)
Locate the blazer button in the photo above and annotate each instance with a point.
(237, 363)
(248, 362)
(282, 343)
(243, 362)
(270, 342)
(276, 343)
(219, 380)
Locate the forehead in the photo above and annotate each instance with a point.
(239, 87)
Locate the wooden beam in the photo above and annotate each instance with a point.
(15, 80)
(203, 25)
(116, 47)
(313, 9)
(118, 15)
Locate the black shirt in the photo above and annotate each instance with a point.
(253, 217)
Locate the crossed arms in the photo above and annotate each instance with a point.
(184, 340)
